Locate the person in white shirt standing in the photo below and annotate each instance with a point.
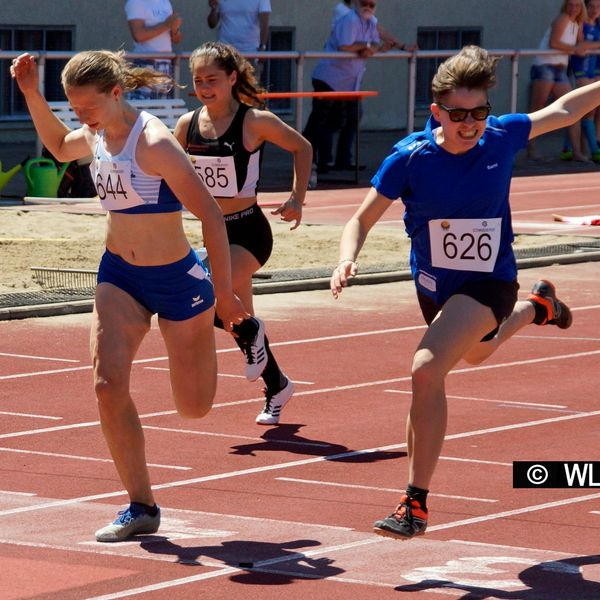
(154, 28)
(243, 24)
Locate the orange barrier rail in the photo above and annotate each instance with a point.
(359, 94)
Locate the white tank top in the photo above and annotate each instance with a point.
(121, 184)
(569, 37)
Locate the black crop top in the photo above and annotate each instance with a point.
(236, 171)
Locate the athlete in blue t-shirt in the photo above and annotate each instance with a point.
(454, 181)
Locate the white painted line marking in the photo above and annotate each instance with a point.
(475, 460)
(17, 493)
(536, 404)
(275, 344)
(29, 415)
(324, 390)
(88, 458)
(511, 513)
(340, 548)
(230, 375)
(224, 350)
(377, 489)
(505, 547)
(236, 437)
(51, 358)
(298, 463)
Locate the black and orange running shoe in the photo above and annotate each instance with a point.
(407, 521)
(549, 310)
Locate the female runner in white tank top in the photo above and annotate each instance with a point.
(141, 175)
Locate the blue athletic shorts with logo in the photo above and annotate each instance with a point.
(177, 291)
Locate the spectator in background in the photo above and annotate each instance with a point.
(243, 24)
(154, 28)
(585, 70)
(549, 72)
(354, 32)
(341, 9)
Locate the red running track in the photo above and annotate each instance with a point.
(298, 500)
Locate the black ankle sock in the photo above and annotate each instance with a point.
(151, 510)
(274, 379)
(541, 313)
(246, 329)
(418, 494)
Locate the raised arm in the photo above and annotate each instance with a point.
(65, 144)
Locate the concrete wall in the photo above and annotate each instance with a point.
(504, 23)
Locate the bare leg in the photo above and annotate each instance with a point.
(119, 326)
(522, 315)
(435, 356)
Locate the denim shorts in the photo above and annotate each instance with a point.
(177, 291)
(554, 73)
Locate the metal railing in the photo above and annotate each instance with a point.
(300, 59)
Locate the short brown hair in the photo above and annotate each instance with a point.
(472, 68)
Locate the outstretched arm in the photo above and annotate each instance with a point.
(565, 111)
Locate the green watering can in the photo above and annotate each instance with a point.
(43, 178)
(6, 176)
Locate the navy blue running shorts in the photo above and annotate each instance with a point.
(177, 291)
(498, 295)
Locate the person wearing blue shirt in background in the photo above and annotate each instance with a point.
(354, 32)
(585, 70)
(454, 180)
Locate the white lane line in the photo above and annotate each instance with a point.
(87, 458)
(333, 549)
(274, 344)
(476, 460)
(377, 489)
(511, 513)
(235, 437)
(229, 375)
(551, 209)
(224, 350)
(340, 388)
(536, 404)
(230, 570)
(17, 493)
(299, 463)
(51, 358)
(29, 415)
(513, 548)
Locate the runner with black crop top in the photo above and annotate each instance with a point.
(224, 139)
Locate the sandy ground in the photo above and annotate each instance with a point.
(76, 241)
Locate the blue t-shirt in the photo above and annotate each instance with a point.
(345, 74)
(457, 210)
